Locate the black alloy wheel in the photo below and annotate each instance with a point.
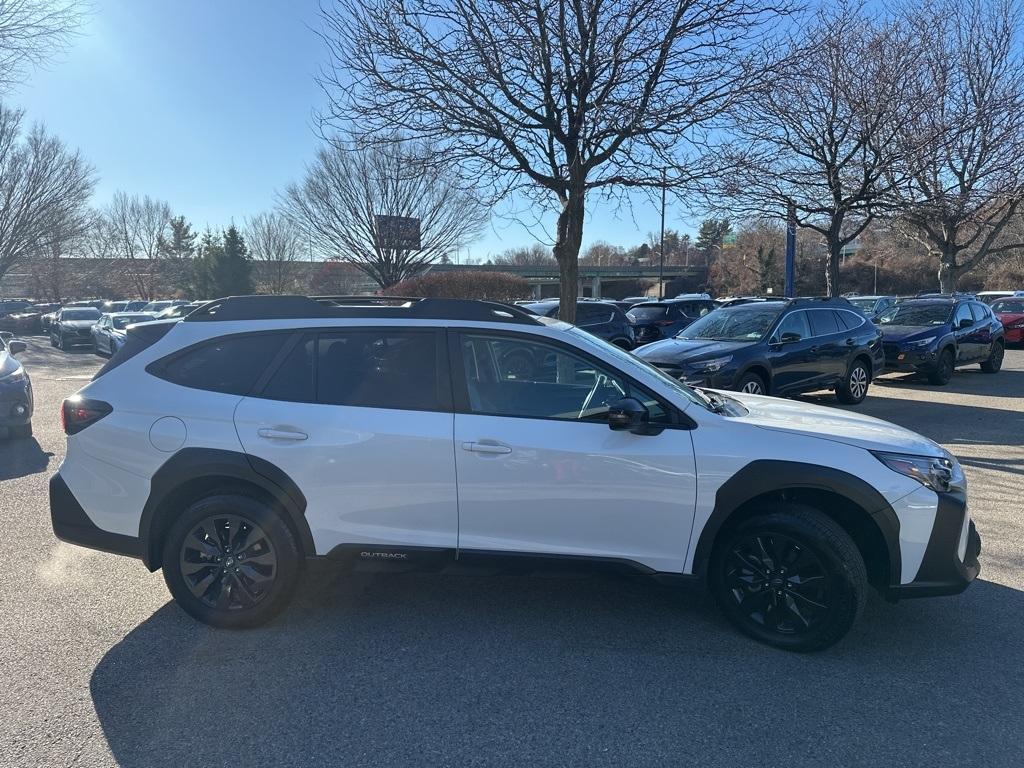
(995, 359)
(230, 560)
(943, 369)
(793, 578)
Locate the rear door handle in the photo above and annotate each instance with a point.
(281, 434)
(486, 447)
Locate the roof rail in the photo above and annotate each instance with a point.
(234, 308)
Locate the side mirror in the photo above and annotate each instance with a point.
(966, 322)
(789, 337)
(628, 415)
(14, 347)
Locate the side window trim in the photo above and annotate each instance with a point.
(679, 420)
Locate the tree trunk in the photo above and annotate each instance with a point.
(949, 273)
(832, 269)
(569, 238)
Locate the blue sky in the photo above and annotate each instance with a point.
(208, 104)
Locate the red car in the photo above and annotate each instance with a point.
(1011, 313)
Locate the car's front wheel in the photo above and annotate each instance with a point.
(995, 359)
(792, 578)
(752, 384)
(943, 370)
(854, 388)
(231, 561)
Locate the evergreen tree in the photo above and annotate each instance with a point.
(223, 267)
(182, 241)
(712, 235)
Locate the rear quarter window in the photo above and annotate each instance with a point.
(230, 364)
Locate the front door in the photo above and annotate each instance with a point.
(361, 421)
(539, 471)
(790, 355)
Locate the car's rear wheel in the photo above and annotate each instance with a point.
(943, 371)
(792, 578)
(53, 340)
(752, 384)
(854, 388)
(995, 359)
(231, 561)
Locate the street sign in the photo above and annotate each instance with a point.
(401, 233)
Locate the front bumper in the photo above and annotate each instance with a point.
(1014, 335)
(71, 524)
(901, 359)
(950, 561)
(16, 403)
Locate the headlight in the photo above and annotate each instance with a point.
(938, 473)
(12, 377)
(710, 366)
(920, 342)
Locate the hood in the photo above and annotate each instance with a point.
(79, 323)
(895, 333)
(833, 424)
(688, 350)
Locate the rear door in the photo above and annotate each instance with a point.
(361, 420)
(828, 352)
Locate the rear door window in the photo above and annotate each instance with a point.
(384, 368)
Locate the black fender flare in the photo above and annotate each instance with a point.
(767, 476)
(195, 464)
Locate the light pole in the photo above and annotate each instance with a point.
(661, 259)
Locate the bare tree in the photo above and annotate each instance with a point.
(535, 255)
(134, 230)
(821, 136)
(44, 189)
(349, 186)
(552, 99)
(959, 194)
(31, 31)
(275, 243)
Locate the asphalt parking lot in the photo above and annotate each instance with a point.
(99, 667)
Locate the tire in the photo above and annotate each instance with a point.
(96, 348)
(995, 359)
(752, 384)
(20, 431)
(53, 340)
(854, 387)
(943, 369)
(758, 595)
(227, 593)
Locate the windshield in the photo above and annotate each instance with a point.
(125, 321)
(647, 314)
(1008, 306)
(746, 322)
(916, 314)
(634, 365)
(865, 305)
(80, 314)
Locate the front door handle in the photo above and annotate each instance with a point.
(281, 434)
(486, 447)
(850, 342)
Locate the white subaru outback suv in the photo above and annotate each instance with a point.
(259, 431)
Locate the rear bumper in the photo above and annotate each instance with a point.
(71, 524)
(1014, 335)
(944, 571)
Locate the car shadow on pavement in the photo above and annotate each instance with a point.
(965, 381)
(602, 670)
(22, 456)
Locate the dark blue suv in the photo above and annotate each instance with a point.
(935, 335)
(776, 347)
(601, 318)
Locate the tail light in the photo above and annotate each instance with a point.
(79, 412)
